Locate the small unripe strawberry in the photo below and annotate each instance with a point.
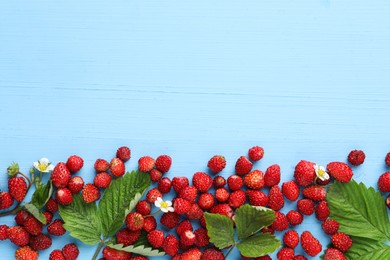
(146, 164)
(90, 193)
(123, 153)
(74, 163)
(163, 163)
(75, 184)
(101, 165)
(117, 167)
(64, 196)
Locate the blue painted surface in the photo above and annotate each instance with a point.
(306, 80)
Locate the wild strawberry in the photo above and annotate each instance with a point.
(64, 196)
(155, 238)
(285, 254)
(52, 205)
(113, 254)
(304, 173)
(243, 166)
(170, 245)
(310, 244)
(334, 254)
(17, 188)
(183, 226)
(257, 198)
(6, 200)
(265, 257)
(217, 163)
(90, 193)
(181, 206)
(356, 157)
(191, 254)
(202, 222)
(299, 257)
(150, 224)
(323, 182)
(222, 195)
(275, 198)
(170, 219)
(206, 201)
(70, 251)
(164, 185)
(202, 181)
(56, 255)
(212, 253)
(187, 238)
(340, 171)
(75, 184)
(40, 242)
(18, 235)
(21, 216)
(33, 226)
(222, 209)
(256, 153)
(56, 228)
(179, 183)
(235, 182)
(146, 164)
(219, 182)
(387, 201)
(123, 153)
(384, 182)
(163, 163)
(237, 199)
(102, 180)
(74, 163)
(26, 253)
(3, 232)
(387, 159)
(134, 221)
(314, 192)
(48, 216)
(117, 167)
(294, 217)
(291, 239)
(280, 222)
(330, 226)
(195, 212)
(202, 239)
(254, 180)
(272, 175)
(268, 230)
(155, 175)
(60, 175)
(290, 190)
(322, 210)
(143, 207)
(127, 237)
(101, 165)
(341, 241)
(306, 206)
(152, 195)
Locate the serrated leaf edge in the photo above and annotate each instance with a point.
(141, 250)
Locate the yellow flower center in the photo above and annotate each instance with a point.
(321, 173)
(164, 205)
(42, 167)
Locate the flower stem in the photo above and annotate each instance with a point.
(101, 244)
(27, 178)
(151, 215)
(15, 210)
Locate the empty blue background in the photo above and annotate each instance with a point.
(304, 79)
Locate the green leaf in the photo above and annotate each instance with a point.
(219, 229)
(42, 194)
(258, 245)
(361, 211)
(250, 219)
(81, 220)
(367, 249)
(35, 212)
(119, 198)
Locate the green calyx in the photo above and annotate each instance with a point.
(13, 169)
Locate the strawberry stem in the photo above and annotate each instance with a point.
(101, 244)
(15, 210)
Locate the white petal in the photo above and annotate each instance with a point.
(170, 209)
(36, 165)
(322, 178)
(322, 168)
(169, 203)
(50, 168)
(326, 176)
(165, 210)
(159, 199)
(44, 161)
(315, 167)
(157, 203)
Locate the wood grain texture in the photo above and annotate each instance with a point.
(306, 80)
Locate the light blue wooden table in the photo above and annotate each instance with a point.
(304, 79)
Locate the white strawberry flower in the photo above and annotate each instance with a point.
(164, 206)
(321, 172)
(43, 165)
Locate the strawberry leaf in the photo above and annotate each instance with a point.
(219, 229)
(251, 219)
(258, 245)
(42, 194)
(35, 212)
(367, 249)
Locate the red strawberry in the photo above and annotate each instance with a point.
(134, 221)
(341, 241)
(155, 238)
(243, 166)
(299, 257)
(304, 173)
(170, 219)
(387, 201)
(323, 182)
(223, 209)
(202, 239)
(306, 206)
(155, 175)
(294, 217)
(70, 251)
(334, 254)
(254, 180)
(387, 159)
(56, 228)
(189, 193)
(179, 183)
(64, 196)
(143, 207)
(40, 242)
(285, 254)
(3, 232)
(272, 175)
(187, 238)
(280, 222)
(195, 212)
(48, 216)
(322, 211)
(153, 194)
(206, 201)
(330, 226)
(164, 185)
(33, 226)
(265, 257)
(202, 181)
(74, 163)
(181, 206)
(26, 253)
(310, 244)
(127, 237)
(146, 164)
(52, 206)
(268, 230)
(17, 188)
(291, 239)
(202, 222)
(256, 153)
(75, 184)
(314, 192)
(56, 255)
(6, 200)
(191, 254)
(340, 171)
(18, 235)
(117, 167)
(212, 253)
(113, 254)
(257, 198)
(163, 163)
(21, 216)
(275, 198)
(219, 182)
(90, 193)
(290, 190)
(237, 199)
(356, 157)
(101, 165)
(123, 153)
(170, 245)
(235, 182)
(222, 195)
(102, 180)
(384, 182)
(183, 226)
(217, 163)
(60, 175)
